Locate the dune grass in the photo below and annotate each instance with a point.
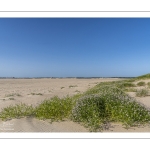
(17, 111)
(36, 94)
(146, 76)
(12, 94)
(142, 83)
(142, 92)
(104, 103)
(55, 108)
(148, 84)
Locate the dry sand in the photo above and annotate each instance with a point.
(16, 91)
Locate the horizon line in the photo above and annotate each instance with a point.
(64, 77)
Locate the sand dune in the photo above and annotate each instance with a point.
(34, 91)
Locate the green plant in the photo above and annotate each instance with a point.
(39, 94)
(110, 104)
(17, 94)
(36, 94)
(141, 83)
(16, 111)
(142, 93)
(148, 84)
(11, 98)
(71, 86)
(146, 76)
(127, 84)
(13, 94)
(130, 90)
(54, 109)
(77, 91)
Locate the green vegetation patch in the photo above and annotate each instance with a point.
(142, 92)
(111, 104)
(12, 94)
(17, 111)
(148, 84)
(55, 108)
(71, 86)
(146, 76)
(36, 94)
(130, 90)
(141, 83)
(122, 85)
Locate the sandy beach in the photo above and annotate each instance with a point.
(34, 91)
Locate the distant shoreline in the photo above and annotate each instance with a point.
(60, 77)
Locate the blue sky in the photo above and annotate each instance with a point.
(74, 47)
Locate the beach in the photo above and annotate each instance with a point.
(34, 91)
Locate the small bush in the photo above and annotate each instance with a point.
(13, 94)
(130, 90)
(128, 84)
(146, 76)
(142, 93)
(141, 83)
(110, 104)
(11, 98)
(71, 86)
(16, 111)
(148, 84)
(54, 109)
(36, 94)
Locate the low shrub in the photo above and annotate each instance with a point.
(130, 90)
(148, 84)
(110, 104)
(55, 108)
(141, 83)
(142, 93)
(17, 111)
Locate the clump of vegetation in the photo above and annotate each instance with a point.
(127, 84)
(111, 104)
(142, 93)
(11, 98)
(130, 90)
(71, 86)
(77, 91)
(16, 111)
(55, 108)
(36, 94)
(141, 83)
(148, 84)
(62, 87)
(124, 85)
(146, 76)
(17, 94)
(13, 94)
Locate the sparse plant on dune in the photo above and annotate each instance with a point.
(17, 111)
(142, 83)
(142, 92)
(12, 94)
(148, 84)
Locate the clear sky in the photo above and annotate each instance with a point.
(74, 47)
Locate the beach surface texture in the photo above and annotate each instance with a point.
(35, 91)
